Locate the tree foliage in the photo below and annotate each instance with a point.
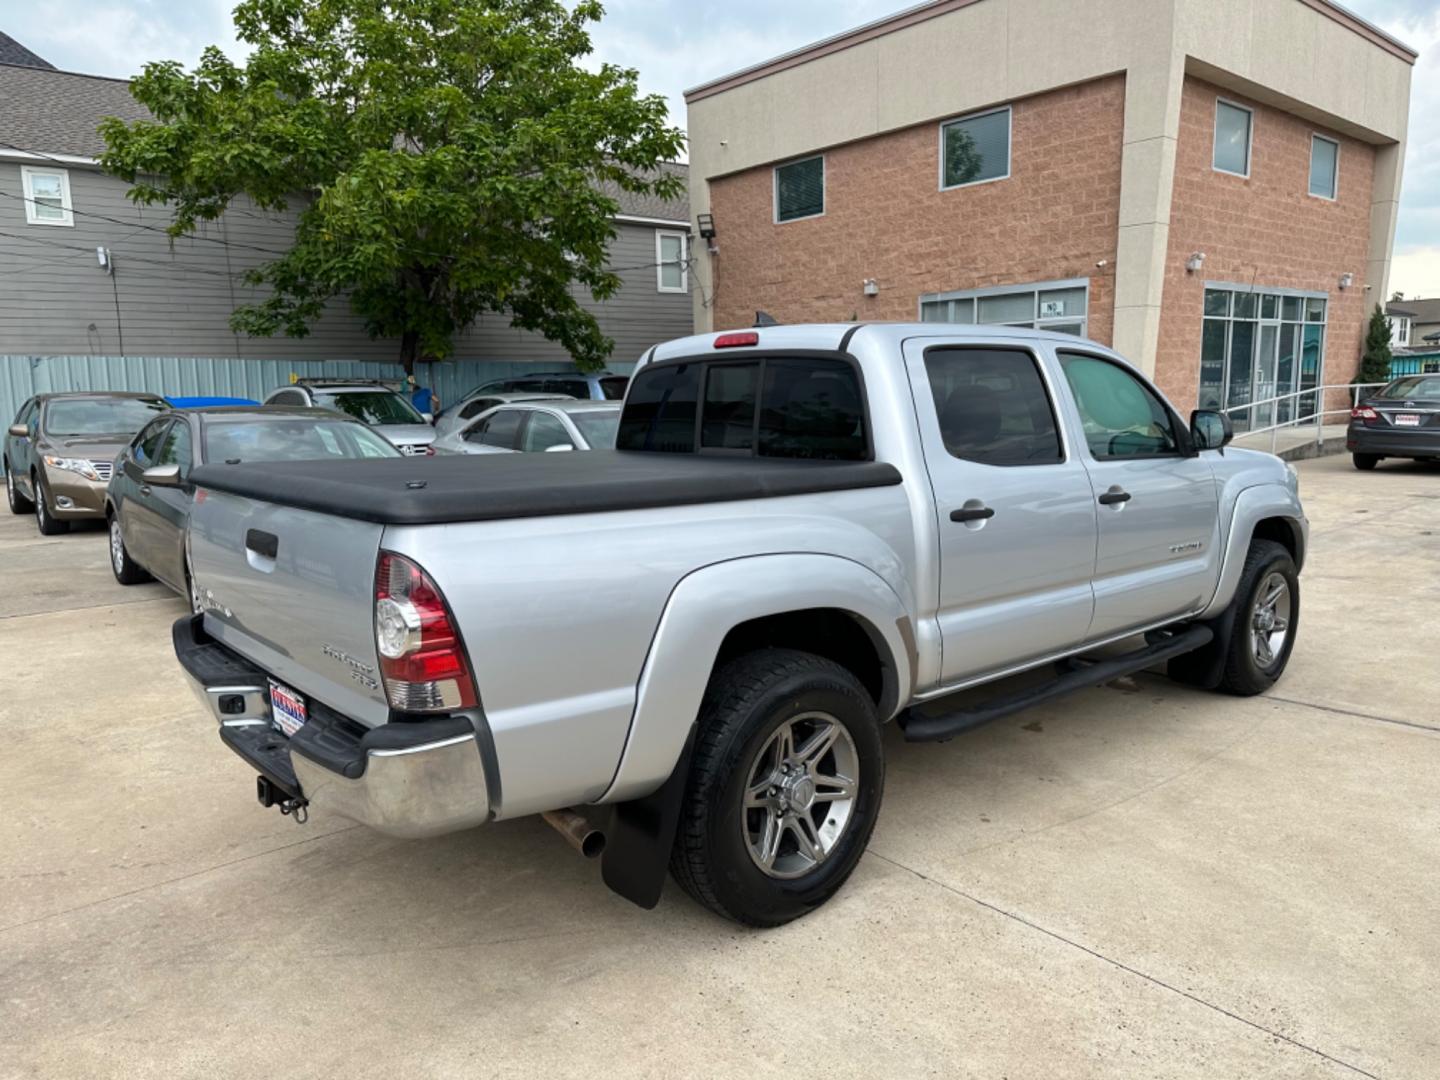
(445, 158)
(1375, 360)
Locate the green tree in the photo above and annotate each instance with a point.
(1375, 360)
(445, 157)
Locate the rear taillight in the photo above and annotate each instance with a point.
(1363, 412)
(421, 656)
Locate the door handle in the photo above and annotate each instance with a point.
(1114, 497)
(144, 489)
(262, 543)
(972, 513)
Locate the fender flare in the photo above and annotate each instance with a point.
(711, 601)
(1252, 506)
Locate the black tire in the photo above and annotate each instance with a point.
(747, 702)
(126, 570)
(1244, 674)
(18, 503)
(44, 518)
(1365, 462)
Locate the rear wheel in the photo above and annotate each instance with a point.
(18, 503)
(1268, 613)
(127, 571)
(1365, 462)
(784, 789)
(44, 519)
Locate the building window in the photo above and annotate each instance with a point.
(800, 189)
(1062, 306)
(1257, 346)
(671, 267)
(1233, 125)
(47, 196)
(1400, 330)
(1324, 166)
(975, 149)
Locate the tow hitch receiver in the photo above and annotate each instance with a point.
(271, 794)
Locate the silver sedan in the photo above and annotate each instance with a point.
(528, 427)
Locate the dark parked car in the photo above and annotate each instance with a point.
(148, 501)
(61, 448)
(1400, 420)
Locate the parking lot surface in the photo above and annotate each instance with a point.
(1139, 880)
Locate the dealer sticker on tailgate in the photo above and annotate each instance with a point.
(287, 708)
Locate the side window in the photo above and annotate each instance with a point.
(993, 407)
(576, 388)
(288, 397)
(176, 449)
(543, 432)
(660, 411)
(472, 409)
(812, 409)
(499, 430)
(1122, 416)
(147, 443)
(526, 386)
(26, 415)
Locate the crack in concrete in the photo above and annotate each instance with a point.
(89, 607)
(1355, 713)
(1122, 966)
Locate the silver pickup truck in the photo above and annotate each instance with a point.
(804, 533)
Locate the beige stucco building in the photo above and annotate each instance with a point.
(1110, 143)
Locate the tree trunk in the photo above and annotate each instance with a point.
(409, 350)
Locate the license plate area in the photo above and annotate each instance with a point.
(1406, 419)
(287, 709)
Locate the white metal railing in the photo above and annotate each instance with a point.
(1315, 416)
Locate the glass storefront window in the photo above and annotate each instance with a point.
(1258, 346)
(1061, 306)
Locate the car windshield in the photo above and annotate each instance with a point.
(1419, 387)
(598, 427)
(100, 416)
(613, 386)
(291, 439)
(371, 406)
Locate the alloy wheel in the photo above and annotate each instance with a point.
(117, 547)
(800, 793)
(1270, 619)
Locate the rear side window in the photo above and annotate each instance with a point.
(992, 406)
(147, 443)
(613, 386)
(499, 430)
(791, 407)
(576, 388)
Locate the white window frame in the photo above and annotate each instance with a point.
(1009, 146)
(660, 262)
(1036, 323)
(1249, 143)
(824, 188)
(27, 178)
(1335, 189)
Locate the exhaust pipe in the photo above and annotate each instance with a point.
(577, 830)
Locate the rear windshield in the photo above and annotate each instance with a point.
(598, 427)
(613, 386)
(1419, 387)
(789, 407)
(291, 439)
(100, 416)
(371, 406)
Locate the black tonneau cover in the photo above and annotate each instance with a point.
(487, 487)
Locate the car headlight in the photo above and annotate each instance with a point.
(73, 464)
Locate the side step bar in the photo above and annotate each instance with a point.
(1080, 675)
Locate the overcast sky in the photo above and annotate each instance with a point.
(676, 44)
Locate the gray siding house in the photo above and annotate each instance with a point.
(86, 273)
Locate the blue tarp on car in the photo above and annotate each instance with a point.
(198, 402)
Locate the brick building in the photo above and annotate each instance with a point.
(1210, 187)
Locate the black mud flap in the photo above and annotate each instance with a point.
(641, 835)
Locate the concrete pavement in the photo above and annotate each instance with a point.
(1144, 882)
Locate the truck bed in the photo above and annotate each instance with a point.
(424, 491)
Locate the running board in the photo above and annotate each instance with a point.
(1077, 676)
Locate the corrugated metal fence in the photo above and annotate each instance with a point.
(22, 376)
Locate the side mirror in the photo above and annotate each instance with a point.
(1211, 430)
(167, 476)
(429, 417)
(19, 431)
(558, 448)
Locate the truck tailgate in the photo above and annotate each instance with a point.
(293, 591)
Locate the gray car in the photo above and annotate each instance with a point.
(60, 449)
(148, 501)
(530, 426)
(461, 413)
(387, 411)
